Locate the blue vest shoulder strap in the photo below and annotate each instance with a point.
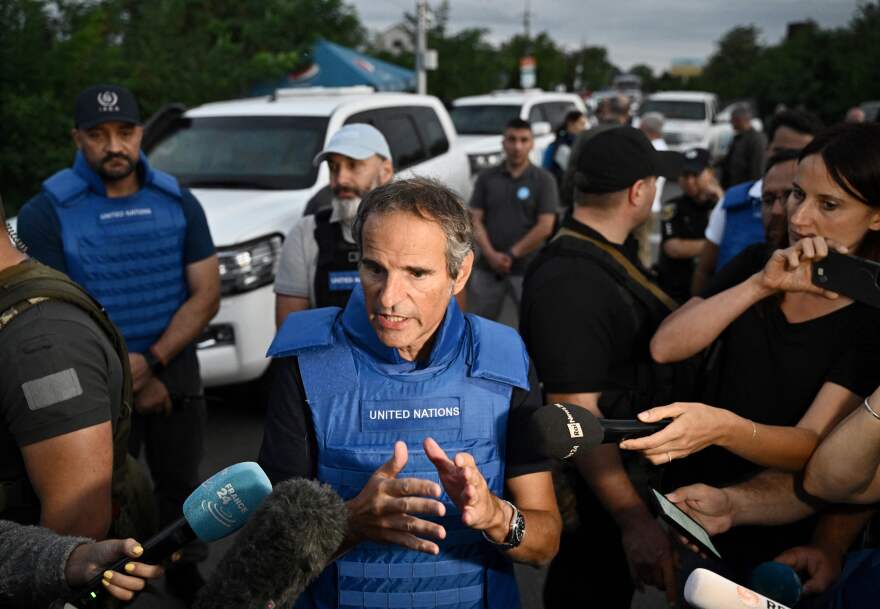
(304, 331)
(325, 362)
(165, 182)
(65, 186)
(498, 353)
(738, 195)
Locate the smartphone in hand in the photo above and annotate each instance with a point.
(851, 276)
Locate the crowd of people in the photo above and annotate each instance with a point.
(393, 382)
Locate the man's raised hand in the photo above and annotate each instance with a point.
(383, 510)
(465, 486)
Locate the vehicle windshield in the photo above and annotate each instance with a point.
(483, 120)
(259, 152)
(671, 109)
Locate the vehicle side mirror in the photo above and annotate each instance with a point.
(541, 128)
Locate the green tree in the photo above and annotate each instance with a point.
(729, 70)
(552, 64)
(596, 70)
(192, 51)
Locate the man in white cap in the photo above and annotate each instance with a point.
(319, 262)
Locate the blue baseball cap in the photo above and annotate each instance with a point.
(356, 141)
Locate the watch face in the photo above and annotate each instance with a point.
(518, 529)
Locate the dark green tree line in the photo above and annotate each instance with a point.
(191, 51)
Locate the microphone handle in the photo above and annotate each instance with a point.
(618, 430)
(156, 549)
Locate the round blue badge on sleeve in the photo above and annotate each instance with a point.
(523, 193)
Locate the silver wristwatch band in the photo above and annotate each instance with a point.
(516, 530)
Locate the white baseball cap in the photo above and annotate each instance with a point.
(357, 141)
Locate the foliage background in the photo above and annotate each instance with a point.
(194, 51)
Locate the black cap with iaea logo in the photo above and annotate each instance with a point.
(103, 104)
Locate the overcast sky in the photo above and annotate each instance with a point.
(634, 31)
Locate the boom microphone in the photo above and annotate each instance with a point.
(562, 429)
(217, 508)
(280, 551)
(707, 590)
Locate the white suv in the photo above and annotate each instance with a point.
(480, 121)
(249, 163)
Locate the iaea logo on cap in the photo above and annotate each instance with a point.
(691, 154)
(107, 101)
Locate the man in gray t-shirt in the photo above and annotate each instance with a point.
(513, 208)
(319, 261)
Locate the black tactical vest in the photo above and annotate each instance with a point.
(336, 274)
(28, 284)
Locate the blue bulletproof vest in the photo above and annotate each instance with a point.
(128, 251)
(363, 397)
(743, 225)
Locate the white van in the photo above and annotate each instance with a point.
(249, 163)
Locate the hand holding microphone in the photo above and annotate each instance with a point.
(219, 507)
(691, 428)
(820, 567)
(87, 561)
(562, 429)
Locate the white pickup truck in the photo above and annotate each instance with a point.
(249, 163)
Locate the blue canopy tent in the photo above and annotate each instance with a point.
(338, 66)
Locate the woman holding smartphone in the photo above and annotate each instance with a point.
(788, 360)
(784, 373)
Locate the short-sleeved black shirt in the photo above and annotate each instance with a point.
(290, 449)
(59, 374)
(511, 206)
(681, 218)
(769, 370)
(583, 331)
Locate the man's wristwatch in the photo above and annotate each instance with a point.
(516, 533)
(153, 362)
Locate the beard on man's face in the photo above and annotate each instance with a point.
(115, 174)
(348, 191)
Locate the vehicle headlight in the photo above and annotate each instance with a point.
(479, 162)
(248, 266)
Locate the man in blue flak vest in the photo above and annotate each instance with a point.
(139, 243)
(417, 415)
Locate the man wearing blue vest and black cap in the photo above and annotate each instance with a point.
(139, 244)
(417, 415)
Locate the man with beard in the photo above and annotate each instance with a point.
(140, 244)
(319, 262)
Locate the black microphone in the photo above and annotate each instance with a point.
(217, 508)
(287, 543)
(562, 429)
